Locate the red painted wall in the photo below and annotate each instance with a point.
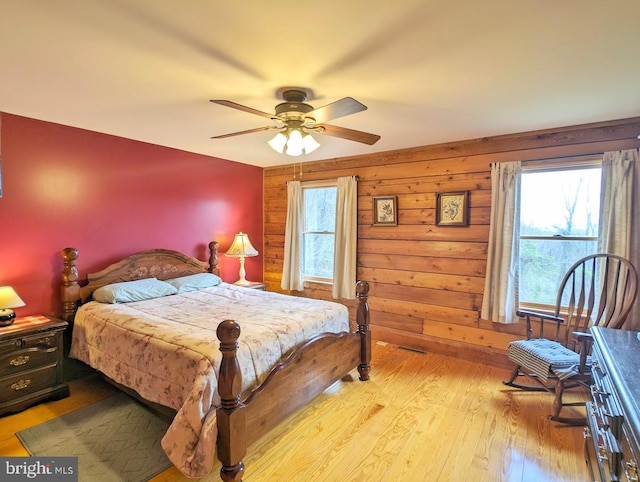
(110, 197)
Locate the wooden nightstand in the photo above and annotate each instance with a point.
(31, 358)
(255, 285)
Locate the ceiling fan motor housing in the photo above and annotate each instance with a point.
(294, 106)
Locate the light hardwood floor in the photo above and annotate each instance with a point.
(422, 417)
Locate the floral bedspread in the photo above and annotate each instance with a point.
(167, 350)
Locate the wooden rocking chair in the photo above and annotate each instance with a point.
(598, 290)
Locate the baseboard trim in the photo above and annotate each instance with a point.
(424, 343)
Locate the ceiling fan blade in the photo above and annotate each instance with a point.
(250, 131)
(244, 108)
(339, 108)
(349, 134)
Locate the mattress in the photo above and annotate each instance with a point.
(166, 349)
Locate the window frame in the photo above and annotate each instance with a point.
(550, 165)
(331, 183)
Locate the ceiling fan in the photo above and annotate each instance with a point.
(294, 120)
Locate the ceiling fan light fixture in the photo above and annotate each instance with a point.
(293, 152)
(310, 144)
(278, 142)
(295, 142)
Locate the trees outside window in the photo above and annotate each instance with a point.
(319, 226)
(559, 215)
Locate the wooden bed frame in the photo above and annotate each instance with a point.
(303, 375)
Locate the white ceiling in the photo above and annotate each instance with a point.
(430, 71)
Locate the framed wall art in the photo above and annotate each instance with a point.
(452, 208)
(385, 211)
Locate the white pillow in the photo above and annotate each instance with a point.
(194, 282)
(137, 290)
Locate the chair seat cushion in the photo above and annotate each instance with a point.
(541, 356)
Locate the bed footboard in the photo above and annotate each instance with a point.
(306, 373)
(362, 318)
(230, 417)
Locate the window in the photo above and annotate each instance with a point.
(559, 215)
(318, 231)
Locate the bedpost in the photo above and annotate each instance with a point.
(213, 258)
(231, 416)
(362, 318)
(70, 289)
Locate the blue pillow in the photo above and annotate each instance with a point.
(194, 282)
(137, 290)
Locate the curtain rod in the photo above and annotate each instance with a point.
(356, 177)
(561, 158)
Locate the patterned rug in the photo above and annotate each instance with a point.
(116, 439)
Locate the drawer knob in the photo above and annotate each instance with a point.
(602, 452)
(595, 391)
(19, 360)
(20, 385)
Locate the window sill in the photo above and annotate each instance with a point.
(311, 283)
(543, 309)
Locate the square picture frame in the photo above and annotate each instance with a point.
(452, 208)
(385, 210)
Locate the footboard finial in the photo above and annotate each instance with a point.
(362, 318)
(231, 417)
(70, 289)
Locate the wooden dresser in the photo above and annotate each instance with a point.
(612, 434)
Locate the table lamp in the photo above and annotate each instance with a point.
(8, 299)
(242, 248)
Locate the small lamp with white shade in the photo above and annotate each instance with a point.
(242, 248)
(8, 299)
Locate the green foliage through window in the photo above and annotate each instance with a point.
(319, 231)
(559, 216)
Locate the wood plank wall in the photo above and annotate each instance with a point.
(427, 281)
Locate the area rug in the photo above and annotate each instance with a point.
(116, 439)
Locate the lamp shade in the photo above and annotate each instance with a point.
(9, 298)
(241, 247)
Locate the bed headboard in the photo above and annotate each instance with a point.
(152, 263)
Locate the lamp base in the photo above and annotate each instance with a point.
(7, 317)
(243, 282)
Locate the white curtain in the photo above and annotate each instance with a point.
(292, 278)
(617, 200)
(500, 300)
(619, 213)
(346, 238)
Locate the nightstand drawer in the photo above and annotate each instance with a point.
(26, 359)
(26, 383)
(40, 340)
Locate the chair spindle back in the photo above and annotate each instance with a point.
(598, 290)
